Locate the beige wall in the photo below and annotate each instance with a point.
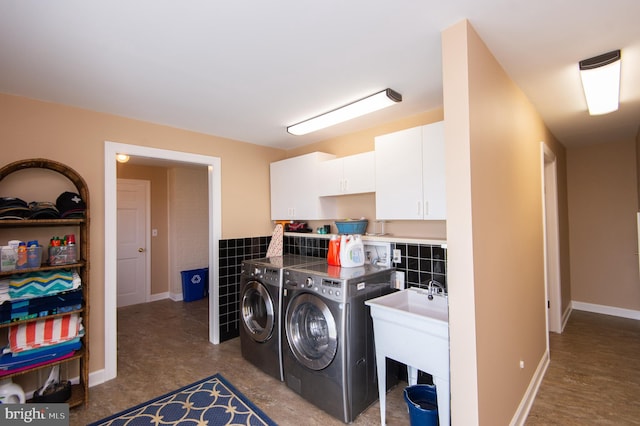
(494, 231)
(603, 204)
(157, 176)
(188, 222)
(638, 166)
(76, 138)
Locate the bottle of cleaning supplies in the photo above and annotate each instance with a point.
(351, 251)
(11, 393)
(22, 256)
(333, 255)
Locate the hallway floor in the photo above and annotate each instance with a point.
(593, 377)
(594, 374)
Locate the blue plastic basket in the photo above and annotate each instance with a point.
(352, 226)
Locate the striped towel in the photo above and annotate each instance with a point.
(44, 332)
(43, 283)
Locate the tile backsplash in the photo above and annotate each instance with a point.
(231, 254)
(420, 263)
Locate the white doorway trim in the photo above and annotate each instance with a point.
(551, 239)
(110, 238)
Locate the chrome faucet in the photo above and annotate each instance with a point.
(434, 287)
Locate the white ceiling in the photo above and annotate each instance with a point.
(246, 69)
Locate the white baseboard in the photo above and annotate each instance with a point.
(565, 317)
(96, 378)
(607, 310)
(522, 412)
(159, 296)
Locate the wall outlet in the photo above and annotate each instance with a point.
(521, 364)
(397, 256)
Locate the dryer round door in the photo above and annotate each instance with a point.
(311, 331)
(257, 311)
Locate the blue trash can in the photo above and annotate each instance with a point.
(423, 405)
(195, 284)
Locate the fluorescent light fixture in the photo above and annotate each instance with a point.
(601, 82)
(355, 109)
(122, 158)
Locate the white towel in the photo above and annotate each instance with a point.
(275, 246)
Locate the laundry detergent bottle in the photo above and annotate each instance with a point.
(333, 254)
(351, 251)
(11, 393)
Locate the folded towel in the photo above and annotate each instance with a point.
(43, 283)
(44, 332)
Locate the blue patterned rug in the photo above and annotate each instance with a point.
(212, 401)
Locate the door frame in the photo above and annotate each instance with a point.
(110, 225)
(551, 238)
(147, 233)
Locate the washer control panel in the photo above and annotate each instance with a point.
(332, 289)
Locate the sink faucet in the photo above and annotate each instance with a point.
(434, 287)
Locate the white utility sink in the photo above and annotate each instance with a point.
(413, 329)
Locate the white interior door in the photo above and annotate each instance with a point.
(133, 256)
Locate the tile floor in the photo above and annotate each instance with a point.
(593, 377)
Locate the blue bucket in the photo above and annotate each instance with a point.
(423, 405)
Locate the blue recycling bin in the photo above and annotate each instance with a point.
(195, 284)
(423, 405)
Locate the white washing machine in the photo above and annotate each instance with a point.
(261, 310)
(328, 344)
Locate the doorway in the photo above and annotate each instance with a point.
(551, 240)
(110, 239)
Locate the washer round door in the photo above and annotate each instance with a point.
(257, 311)
(311, 331)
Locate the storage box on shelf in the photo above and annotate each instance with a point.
(64, 263)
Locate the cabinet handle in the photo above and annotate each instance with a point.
(419, 209)
(426, 208)
(140, 250)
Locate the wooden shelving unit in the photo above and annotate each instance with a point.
(80, 391)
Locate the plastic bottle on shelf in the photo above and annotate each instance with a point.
(22, 256)
(72, 254)
(34, 254)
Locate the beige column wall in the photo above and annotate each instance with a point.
(494, 232)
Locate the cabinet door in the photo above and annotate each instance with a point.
(294, 189)
(354, 174)
(398, 171)
(433, 171)
(281, 198)
(331, 177)
(359, 173)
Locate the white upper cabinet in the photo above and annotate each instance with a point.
(354, 174)
(295, 184)
(410, 174)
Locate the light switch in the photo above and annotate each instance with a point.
(154, 232)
